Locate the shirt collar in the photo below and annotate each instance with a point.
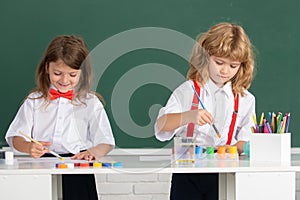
(213, 88)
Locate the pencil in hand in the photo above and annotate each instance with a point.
(37, 142)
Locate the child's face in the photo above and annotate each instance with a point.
(221, 70)
(63, 77)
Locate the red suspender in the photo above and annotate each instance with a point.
(195, 103)
(234, 115)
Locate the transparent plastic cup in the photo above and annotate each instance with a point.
(184, 150)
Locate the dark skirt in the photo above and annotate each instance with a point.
(77, 186)
(195, 186)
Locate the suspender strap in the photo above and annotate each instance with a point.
(195, 103)
(234, 115)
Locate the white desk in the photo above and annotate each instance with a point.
(239, 180)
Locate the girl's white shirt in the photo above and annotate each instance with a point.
(71, 128)
(181, 101)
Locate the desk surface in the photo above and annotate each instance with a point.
(152, 164)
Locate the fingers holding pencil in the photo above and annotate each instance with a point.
(36, 150)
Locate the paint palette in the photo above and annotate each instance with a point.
(111, 164)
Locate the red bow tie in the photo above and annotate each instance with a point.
(54, 94)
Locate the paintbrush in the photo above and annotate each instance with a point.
(213, 125)
(37, 142)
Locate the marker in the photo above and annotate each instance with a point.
(261, 118)
(254, 118)
(287, 123)
(283, 125)
(279, 124)
(37, 142)
(266, 130)
(255, 122)
(202, 105)
(273, 122)
(253, 130)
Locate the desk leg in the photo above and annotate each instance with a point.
(226, 186)
(56, 187)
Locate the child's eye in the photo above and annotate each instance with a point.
(219, 62)
(234, 66)
(73, 75)
(57, 73)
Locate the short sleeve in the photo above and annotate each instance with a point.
(246, 121)
(23, 121)
(179, 101)
(99, 126)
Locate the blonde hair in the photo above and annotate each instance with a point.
(225, 40)
(73, 52)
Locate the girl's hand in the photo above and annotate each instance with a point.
(36, 150)
(200, 117)
(85, 155)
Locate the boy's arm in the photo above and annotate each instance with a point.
(240, 146)
(171, 121)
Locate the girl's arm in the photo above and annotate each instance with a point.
(172, 121)
(93, 153)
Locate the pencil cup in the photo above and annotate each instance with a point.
(184, 150)
(270, 147)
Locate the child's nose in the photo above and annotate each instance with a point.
(64, 78)
(225, 69)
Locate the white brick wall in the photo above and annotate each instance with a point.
(133, 186)
(142, 186)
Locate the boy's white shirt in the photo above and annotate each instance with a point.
(71, 128)
(181, 101)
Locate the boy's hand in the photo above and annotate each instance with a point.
(200, 117)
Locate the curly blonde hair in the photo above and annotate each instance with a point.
(225, 40)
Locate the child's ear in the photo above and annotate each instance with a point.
(47, 68)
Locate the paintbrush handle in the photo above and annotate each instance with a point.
(29, 138)
(55, 154)
(37, 142)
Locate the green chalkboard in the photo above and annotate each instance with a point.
(139, 50)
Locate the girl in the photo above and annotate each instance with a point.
(221, 71)
(64, 115)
